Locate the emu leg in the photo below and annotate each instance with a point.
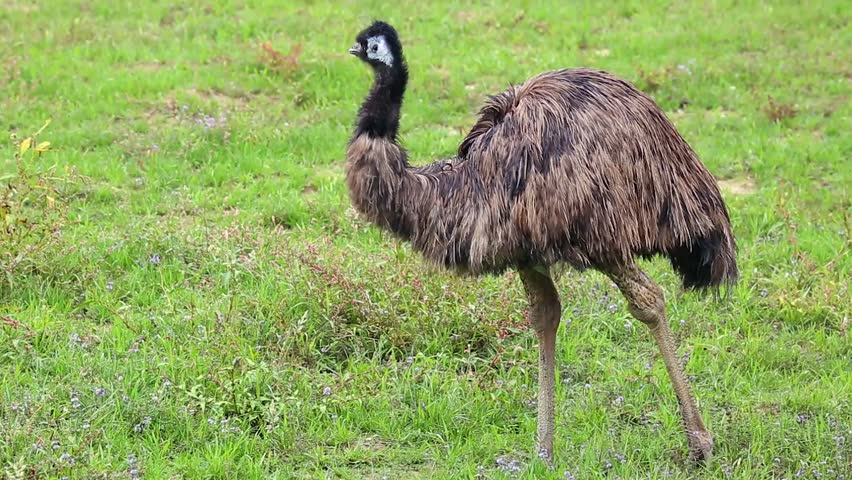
(647, 304)
(545, 311)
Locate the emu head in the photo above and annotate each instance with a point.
(378, 45)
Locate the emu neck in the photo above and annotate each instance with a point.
(379, 114)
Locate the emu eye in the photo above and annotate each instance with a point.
(374, 48)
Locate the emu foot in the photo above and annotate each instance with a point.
(546, 454)
(700, 446)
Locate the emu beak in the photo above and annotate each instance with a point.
(356, 49)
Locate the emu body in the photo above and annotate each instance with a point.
(574, 166)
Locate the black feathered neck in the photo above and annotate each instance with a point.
(380, 112)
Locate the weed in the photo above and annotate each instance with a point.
(285, 64)
(33, 206)
(777, 112)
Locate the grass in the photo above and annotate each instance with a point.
(213, 309)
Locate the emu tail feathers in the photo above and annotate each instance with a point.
(708, 262)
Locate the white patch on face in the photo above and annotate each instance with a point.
(378, 49)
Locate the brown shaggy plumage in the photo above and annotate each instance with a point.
(572, 166)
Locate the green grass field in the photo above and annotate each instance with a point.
(212, 308)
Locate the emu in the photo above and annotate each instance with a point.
(574, 167)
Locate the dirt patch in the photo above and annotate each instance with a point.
(330, 172)
(148, 67)
(738, 186)
(466, 16)
(224, 99)
(834, 103)
(372, 444)
(21, 7)
(12, 68)
(309, 189)
(717, 113)
(223, 103)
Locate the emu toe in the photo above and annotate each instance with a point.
(700, 447)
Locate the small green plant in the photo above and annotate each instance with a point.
(32, 208)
